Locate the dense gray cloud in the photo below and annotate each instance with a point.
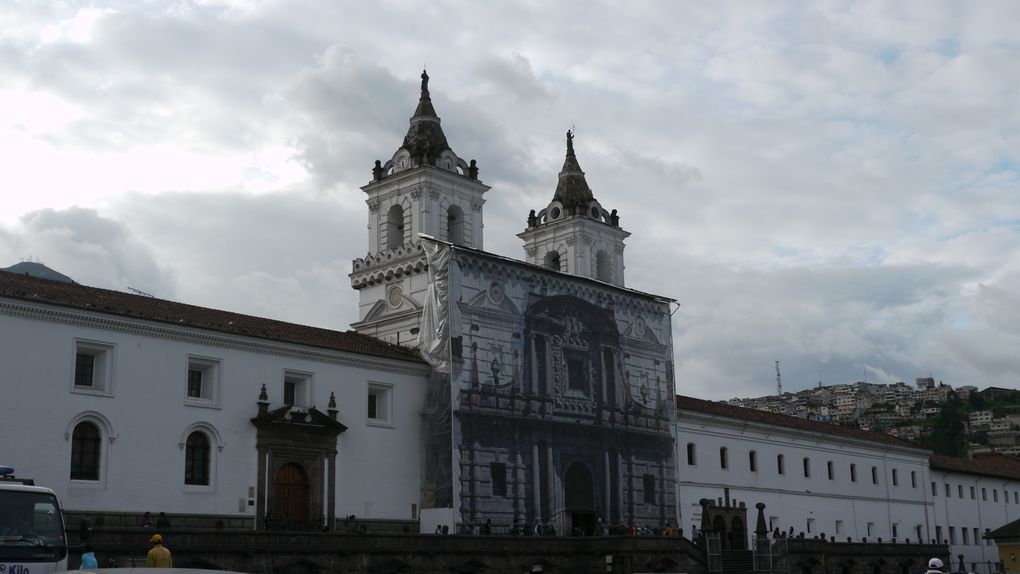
(832, 187)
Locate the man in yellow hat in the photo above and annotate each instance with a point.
(159, 555)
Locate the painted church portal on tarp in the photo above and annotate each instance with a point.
(560, 397)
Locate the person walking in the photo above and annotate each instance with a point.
(159, 555)
(935, 566)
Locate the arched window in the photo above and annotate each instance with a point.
(196, 459)
(602, 270)
(395, 227)
(552, 260)
(752, 461)
(455, 225)
(85, 451)
(724, 461)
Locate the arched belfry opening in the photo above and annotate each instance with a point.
(552, 261)
(602, 269)
(395, 227)
(455, 225)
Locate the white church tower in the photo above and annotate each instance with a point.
(424, 188)
(574, 234)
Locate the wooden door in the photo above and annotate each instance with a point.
(291, 495)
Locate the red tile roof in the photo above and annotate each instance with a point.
(773, 419)
(109, 302)
(985, 465)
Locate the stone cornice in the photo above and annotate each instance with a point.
(96, 320)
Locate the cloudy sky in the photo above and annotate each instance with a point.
(832, 185)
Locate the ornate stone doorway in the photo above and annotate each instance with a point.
(296, 465)
(291, 494)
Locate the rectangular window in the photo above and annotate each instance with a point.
(297, 388)
(93, 368)
(938, 535)
(853, 473)
(839, 527)
(984, 494)
(203, 381)
(934, 490)
(752, 461)
(780, 464)
(649, 484)
(380, 404)
(84, 369)
(959, 490)
(966, 536)
(952, 535)
(874, 475)
(497, 471)
(807, 467)
(895, 530)
(577, 376)
(977, 538)
(810, 525)
(1016, 497)
(895, 478)
(194, 383)
(913, 479)
(995, 495)
(918, 531)
(871, 529)
(947, 490)
(690, 454)
(723, 458)
(972, 493)
(829, 469)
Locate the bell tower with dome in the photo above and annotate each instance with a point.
(424, 188)
(574, 233)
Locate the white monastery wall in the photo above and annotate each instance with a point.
(145, 415)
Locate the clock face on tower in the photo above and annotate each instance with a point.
(396, 296)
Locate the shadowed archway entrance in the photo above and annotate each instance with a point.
(579, 495)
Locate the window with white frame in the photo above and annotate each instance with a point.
(297, 388)
(197, 459)
(203, 381)
(380, 404)
(93, 367)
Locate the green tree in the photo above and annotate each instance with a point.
(947, 433)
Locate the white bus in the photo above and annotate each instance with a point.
(32, 539)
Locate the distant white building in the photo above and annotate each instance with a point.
(845, 482)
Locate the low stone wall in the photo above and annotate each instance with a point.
(804, 556)
(277, 552)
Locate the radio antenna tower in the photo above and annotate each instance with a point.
(779, 381)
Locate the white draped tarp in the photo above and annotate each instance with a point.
(434, 336)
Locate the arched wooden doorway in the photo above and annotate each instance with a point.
(291, 495)
(719, 525)
(579, 495)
